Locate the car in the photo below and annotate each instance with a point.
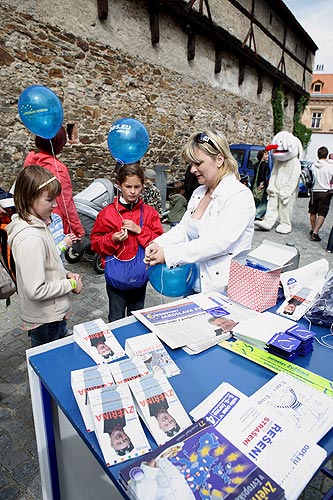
(246, 157)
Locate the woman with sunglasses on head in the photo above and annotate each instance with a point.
(120, 229)
(218, 223)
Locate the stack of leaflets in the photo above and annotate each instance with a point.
(159, 407)
(117, 425)
(290, 458)
(86, 380)
(153, 354)
(128, 369)
(97, 340)
(304, 409)
(277, 335)
(199, 463)
(196, 322)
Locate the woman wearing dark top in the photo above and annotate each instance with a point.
(261, 179)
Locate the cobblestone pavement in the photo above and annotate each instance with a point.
(19, 470)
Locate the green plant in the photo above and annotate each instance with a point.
(300, 130)
(278, 112)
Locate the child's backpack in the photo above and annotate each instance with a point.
(7, 269)
(307, 176)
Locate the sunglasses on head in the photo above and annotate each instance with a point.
(203, 138)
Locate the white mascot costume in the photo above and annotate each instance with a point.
(283, 184)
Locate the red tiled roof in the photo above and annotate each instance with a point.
(325, 80)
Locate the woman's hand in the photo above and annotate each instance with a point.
(120, 236)
(149, 250)
(131, 226)
(154, 254)
(157, 257)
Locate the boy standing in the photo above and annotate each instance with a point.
(320, 199)
(177, 203)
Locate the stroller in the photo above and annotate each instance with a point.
(88, 204)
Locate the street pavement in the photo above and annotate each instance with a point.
(19, 469)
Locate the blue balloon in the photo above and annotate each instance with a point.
(175, 282)
(128, 140)
(40, 110)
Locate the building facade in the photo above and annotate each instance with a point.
(175, 65)
(318, 114)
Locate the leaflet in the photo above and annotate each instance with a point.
(263, 436)
(205, 318)
(301, 407)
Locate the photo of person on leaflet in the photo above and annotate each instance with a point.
(102, 348)
(120, 441)
(224, 324)
(166, 422)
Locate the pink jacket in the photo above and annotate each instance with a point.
(66, 207)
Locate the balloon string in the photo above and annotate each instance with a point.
(62, 191)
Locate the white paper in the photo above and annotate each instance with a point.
(291, 460)
(86, 335)
(159, 406)
(309, 275)
(153, 353)
(195, 320)
(113, 412)
(272, 252)
(301, 407)
(87, 380)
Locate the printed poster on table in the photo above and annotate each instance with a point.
(196, 319)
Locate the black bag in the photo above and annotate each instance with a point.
(307, 177)
(7, 277)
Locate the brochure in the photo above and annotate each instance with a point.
(117, 425)
(199, 463)
(128, 369)
(85, 380)
(300, 300)
(304, 409)
(277, 334)
(197, 322)
(290, 459)
(159, 407)
(97, 340)
(152, 352)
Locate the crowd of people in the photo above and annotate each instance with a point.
(211, 216)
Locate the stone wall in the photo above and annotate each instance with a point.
(105, 71)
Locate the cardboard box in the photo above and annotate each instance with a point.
(255, 276)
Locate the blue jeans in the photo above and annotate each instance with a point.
(48, 332)
(123, 302)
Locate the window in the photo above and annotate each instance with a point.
(316, 119)
(253, 160)
(317, 87)
(72, 133)
(238, 154)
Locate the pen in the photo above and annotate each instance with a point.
(256, 265)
